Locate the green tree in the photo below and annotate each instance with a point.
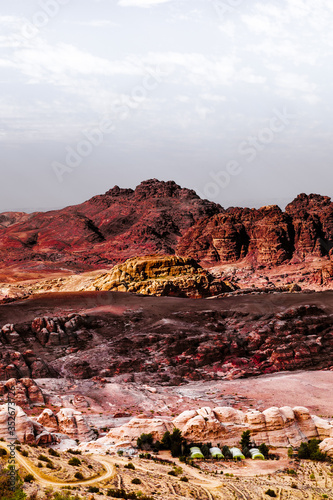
(264, 449)
(245, 441)
(145, 441)
(226, 452)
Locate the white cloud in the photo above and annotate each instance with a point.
(97, 23)
(213, 97)
(141, 3)
(295, 82)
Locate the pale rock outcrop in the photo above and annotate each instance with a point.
(324, 428)
(48, 428)
(73, 424)
(326, 446)
(48, 420)
(275, 426)
(24, 428)
(224, 425)
(135, 427)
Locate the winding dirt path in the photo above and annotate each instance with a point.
(110, 472)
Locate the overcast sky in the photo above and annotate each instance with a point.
(231, 98)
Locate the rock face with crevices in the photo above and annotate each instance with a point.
(25, 347)
(194, 341)
(267, 236)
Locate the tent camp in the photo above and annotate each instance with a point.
(256, 455)
(196, 452)
(216, 453)
(237, 454)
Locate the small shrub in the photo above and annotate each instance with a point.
(54, 453)
(39, 465)
(270, 493)
(3, 452)
(74, 452)
(43, 458)
(78, 475)
(184, 479)
(136, 480)
(29, 478)
(172, 473)
(90, 466)
(74, 461)
(130, 466)
(93, 489)
(24, 453)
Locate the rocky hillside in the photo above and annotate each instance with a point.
(167, 340)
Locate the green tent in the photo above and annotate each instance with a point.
(237, 454)
(216, 453)
(196, 452)
(256, 455)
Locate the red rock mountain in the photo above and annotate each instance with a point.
(162, 218)
(104, 230)
(266, 236)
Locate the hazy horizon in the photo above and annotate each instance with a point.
(229, 98)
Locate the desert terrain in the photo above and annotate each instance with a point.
(178, 314)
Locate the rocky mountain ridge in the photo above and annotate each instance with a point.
(162, 218)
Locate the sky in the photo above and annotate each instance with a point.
(231, 98)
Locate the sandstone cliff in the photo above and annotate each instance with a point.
(275, 426)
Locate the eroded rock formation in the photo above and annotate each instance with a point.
(224, 425)
(157, 275)
(24, 391)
